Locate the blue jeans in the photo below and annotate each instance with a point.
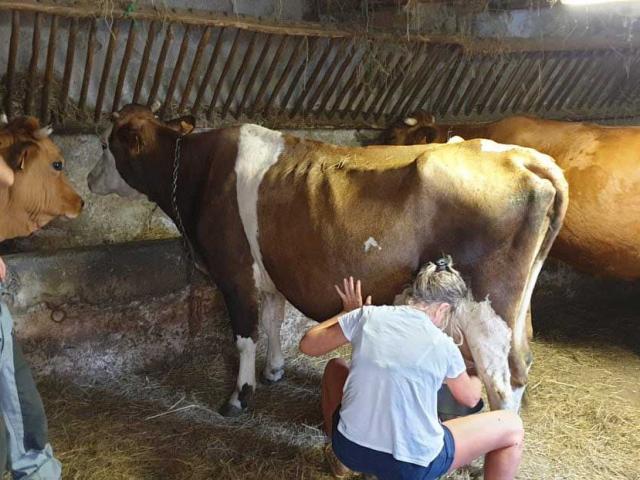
(383, 465)
(24, 448)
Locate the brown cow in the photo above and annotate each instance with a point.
(601, 232)
(40, 191)
(275, 216)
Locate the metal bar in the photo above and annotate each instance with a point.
(106, 70)
(176, 72)
(503, 75)
(346, 88)
(622, 88)
(144, 63)
(336, 79)
(204, 83)
(585, 85)
(461, 93)
(444, 106)
(418, 82)
(68, 66)
(527, 83)
(295, 54)
(236, 81)
(204, 39)
(442, 87)
(563, 94)
(254, 75)
(124, 65)
(516, 83)
(322, 85)
(401, 77)
(439, 82)
(610, 86)
(434, 80)
(450, 84)
(550, 82)
(374, 82)
(597, 85)
(563, 80)
(91, 44)
(48, 71)
(223, 75)
(312, 79)
(486, 74)
(519, 63)
(269, 75)
(383, 87)
(157, 76)
(314, 43)
(33, 66)
(11, 64)
(535, 92)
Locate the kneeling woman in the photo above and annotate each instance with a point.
(380, 412)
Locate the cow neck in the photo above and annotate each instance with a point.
(14, 221)
(191, 171)
(467, 132)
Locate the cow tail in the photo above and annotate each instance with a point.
(544, 167)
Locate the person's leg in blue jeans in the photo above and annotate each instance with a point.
(29, 455)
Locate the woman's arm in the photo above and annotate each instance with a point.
(465, 389)
(328, 335)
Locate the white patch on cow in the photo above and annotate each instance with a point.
(456, 139)
(371, 243)
(271, 317)
(410, 122)
(247, 371)
(258, 149)
(491, 146)
(104, 178)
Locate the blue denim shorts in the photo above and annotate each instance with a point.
(383, 465)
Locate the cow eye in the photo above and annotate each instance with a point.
(57, 165)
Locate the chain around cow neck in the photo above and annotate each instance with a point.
(174, 201)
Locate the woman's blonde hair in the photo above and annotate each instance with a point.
(439, 283)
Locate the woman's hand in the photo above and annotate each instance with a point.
(351, 295)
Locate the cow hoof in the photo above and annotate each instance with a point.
(228, 410)
(272, 376)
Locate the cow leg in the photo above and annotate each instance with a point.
(271, 317)
(243, 310)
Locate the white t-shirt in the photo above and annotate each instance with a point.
(399, 361)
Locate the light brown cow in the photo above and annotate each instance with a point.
(601, 232)
(40, 191)
(275, 216)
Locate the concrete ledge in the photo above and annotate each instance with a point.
(112, 274)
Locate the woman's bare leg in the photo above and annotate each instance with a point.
(499, 435)
(333, 380)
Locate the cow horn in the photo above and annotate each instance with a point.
(43, 132)
(115, 116)
(156, 106)
(410, 121)
(4, 120)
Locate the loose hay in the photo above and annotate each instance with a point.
(582, 413)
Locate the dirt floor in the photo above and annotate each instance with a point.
(582, 412)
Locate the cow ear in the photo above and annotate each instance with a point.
(20, 153)
(183, 125)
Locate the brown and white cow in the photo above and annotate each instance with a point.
(277, 217)
(601, 232)
(40, 191)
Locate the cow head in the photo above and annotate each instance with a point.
(415, 129)
(133, 133)
(40, 190)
